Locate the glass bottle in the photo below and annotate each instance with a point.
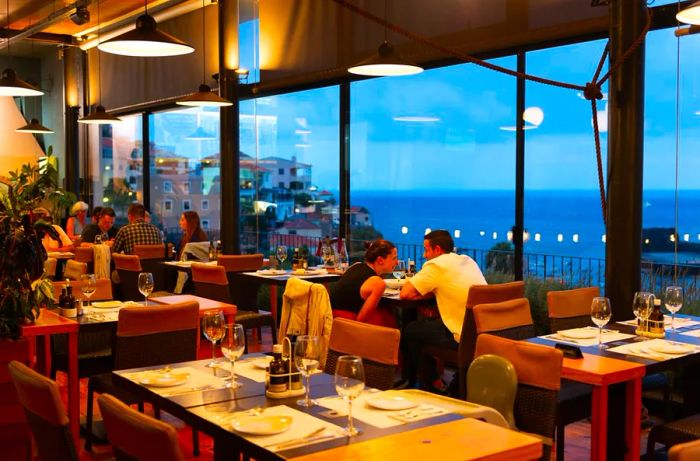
(277, 371)
(656, 321)
(212, 252)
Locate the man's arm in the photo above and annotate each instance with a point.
(408, 291)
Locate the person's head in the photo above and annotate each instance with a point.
(96, 214)
(79, 209)
(136, 212)
(436, 243)
(189, 223)
(41, 213)
(106, 219)
(381, 254)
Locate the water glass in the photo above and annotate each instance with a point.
(673, 298)
(399, 270)
(98, 239)
(600, 314)
(281, 255)
(349, 383)
(307, 355)
(88, 285)
(232, 346)
(642, 305)
(146, 284)
(213, 326)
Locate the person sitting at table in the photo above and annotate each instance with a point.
(76, 223)
(104, 227)
(448, 276)
(64, 243)
(191, 230)
(357, 294)
(95, 214)
(137, 232)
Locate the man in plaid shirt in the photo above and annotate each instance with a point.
(137, 232)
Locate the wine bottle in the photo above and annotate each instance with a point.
(656, 321)
(212, 253)
(277, 371)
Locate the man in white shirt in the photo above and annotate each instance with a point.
(448, 276)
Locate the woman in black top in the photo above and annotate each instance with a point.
(356, 295)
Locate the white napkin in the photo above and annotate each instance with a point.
(646, 350)
(245, 368)
(607, 337)
(198, 381)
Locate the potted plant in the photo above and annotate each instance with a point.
(23, 287)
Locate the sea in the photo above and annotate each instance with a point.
(557, 222)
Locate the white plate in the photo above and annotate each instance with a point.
(261, 425)
(164, 379)
(390, 401)
(269, 272)
(262, 362)
(578, 333)
(394, 283)
(672, 348)
(106, 304)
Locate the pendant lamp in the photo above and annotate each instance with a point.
(204, 96)
(690, 15)
(146, 40)
(99, 116)
(34, 127)
(10, 84)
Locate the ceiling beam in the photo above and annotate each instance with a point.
(45, 37)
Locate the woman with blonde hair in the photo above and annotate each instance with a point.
(76, 223)
(192, 230)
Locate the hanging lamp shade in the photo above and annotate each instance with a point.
(146, 41)
(200, 134)
(34, 127)
(204, 97)
(690, 15)
(11, 85)
(99, 117)
(385, 63)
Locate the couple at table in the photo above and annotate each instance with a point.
(446, 275)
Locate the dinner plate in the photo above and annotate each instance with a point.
(164, 379)
(106, 304)
(394, 283)
(271, 272)
(262, 425)
(262, 362)
(578, 333)
(672, 348)
(390, 401)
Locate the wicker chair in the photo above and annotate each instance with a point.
(140, 330)
(150, 257)
(85, 255)
(689, 451)
(378, 346)
(134, 435)
(673, 433)
(539, 381)
(74, 269)
(211, 282)
(128, 267)
(45, 413)
(15, 436)
(463, 355)
(50, 267)
(570, 308)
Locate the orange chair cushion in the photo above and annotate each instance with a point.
(103, 291)
(371, 342)
(536, 365)
(689, 451)
(571, 303)
(241, 263)
(136, 321)
(204, 273)
(74, 269)
(501, 316)
(84, 254)
(150, 251)
(38, 394)
(482, 294)
(127, 262)
(50, 266)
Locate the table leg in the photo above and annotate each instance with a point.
(273, 302)
(633, 418)
(599, 423)
(73, 388)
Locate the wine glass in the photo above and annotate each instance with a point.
(399, 270)
(233, 345)
(213, 324)
(146, 284)
(88, 285)
(98, 239)
(307, 353)
(349, 383)
(281, 254)
(642, 304)
(600, 314)
(673, 298)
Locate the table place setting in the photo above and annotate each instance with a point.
(106, 311)
(586, 336)
(383, 409)
(656, 349)
(169, 382)
(680, 322)
(252, 368)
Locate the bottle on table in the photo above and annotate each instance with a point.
(295, 259)
(411, 270)
(212, 251)
(656, 327)
(277, 371)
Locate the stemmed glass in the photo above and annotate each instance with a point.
(281, 255)
(213, 324)
(399, 270)
(600, 314)
(233, 345)
(88, 285)
(349, 383)
(307, 353)
(146, 284)
(673, 298)
(642, 304)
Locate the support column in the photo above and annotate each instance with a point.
(72, 72)
(230, 127)
(344, 135)
(625, 158)
(519, 226)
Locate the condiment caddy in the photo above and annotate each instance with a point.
(282, 378)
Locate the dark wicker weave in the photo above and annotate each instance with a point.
(675, 432)
(568, 323)
(129, 284)
(535, 411)
(377, 375)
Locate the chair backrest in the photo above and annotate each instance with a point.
(127, 262)
(570, 308)
(689, 451)
(539, 379)
(156, 251)
(102, 293)
(168, 333)
(84, 254)
(493, 381)
(45, 412)
(134, 435)
(74, 269)
(378, 346)
(210, 282)
(241, 263)
(509, 319)
(128, 267)
(50, 267)
(15, 437)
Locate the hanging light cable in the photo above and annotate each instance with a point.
(146, 40)
(204, 95)
(10, 84)
(33, 126)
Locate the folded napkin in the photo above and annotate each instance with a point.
(654, 349)
(577, 337)
(246, 368)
